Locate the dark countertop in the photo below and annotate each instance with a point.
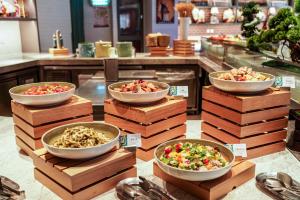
(12, 63)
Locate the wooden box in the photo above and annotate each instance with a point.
(240, 173)
(157, 123)
(32, 122)
(83, 179)
(158, 51)
(183, 48)
(259, 120)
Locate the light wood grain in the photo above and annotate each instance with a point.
(77, 174)
(245, 103)
(24, 147)
(146, 114)
(257, 140)
(246, 130)
(38, 131)
(76, 106)
(33, 143)
(146, 130)
(255, 151)
(245, 118)
(88, 192)
(215, 189)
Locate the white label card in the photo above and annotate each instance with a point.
(131, 140)
(238, 149)
(288, 81)
(179, 91)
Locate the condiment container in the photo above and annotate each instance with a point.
(86, 49)
(102, 49)
(125, 49)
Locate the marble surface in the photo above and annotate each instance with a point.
(18, 167)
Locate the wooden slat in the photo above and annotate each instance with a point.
(84, 172)
(246, 130)
(146, 114)
(257, 140)
(33, 143)
(147, 155)
(23, 146)
(87, 193)
(149, 130)
(215, 189)
(244, 118)
(35, 116)
(148, 143)
(266, 150)
(245, 103)
(37, 132)
(255, 151)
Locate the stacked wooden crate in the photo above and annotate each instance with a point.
(240, 173)
(83, 179)
(183, 47)
(259, 120)
(157, 123)
(30, 123)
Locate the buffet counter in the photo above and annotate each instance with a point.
(18, 167)
(12, 63)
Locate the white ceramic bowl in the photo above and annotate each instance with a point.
(191, 175)
(81, 153)
(137, 97)
(41, 100)
(240, 86)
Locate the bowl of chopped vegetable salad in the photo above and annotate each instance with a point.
(194, 159)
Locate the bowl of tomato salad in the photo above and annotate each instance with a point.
(194, 159)
(42, 93)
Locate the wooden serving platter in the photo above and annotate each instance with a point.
(240, 173)
(157, 123)
(83, 179)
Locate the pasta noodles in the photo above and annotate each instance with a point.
(80, 137)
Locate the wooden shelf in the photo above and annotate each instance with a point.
(16, 19)
(221, 23)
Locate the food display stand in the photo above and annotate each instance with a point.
(83, 179)
(157, 122)
(30, 123)
(240, 173)
(258, 120)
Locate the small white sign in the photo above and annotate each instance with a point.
(179, 91)
(238, 149)
(134, 140)
(288, 81)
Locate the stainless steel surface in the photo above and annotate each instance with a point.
(141, 188)
(191, 175)
(240, 86)
(139, 97)
(269, 184)
(81, 153)
(16, 94)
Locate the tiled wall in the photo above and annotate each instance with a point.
(205, 29)
(10, 38)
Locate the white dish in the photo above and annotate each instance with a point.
(41, 100)
(81, 153)
(191, 175)
(240, 86)
(139, 97)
